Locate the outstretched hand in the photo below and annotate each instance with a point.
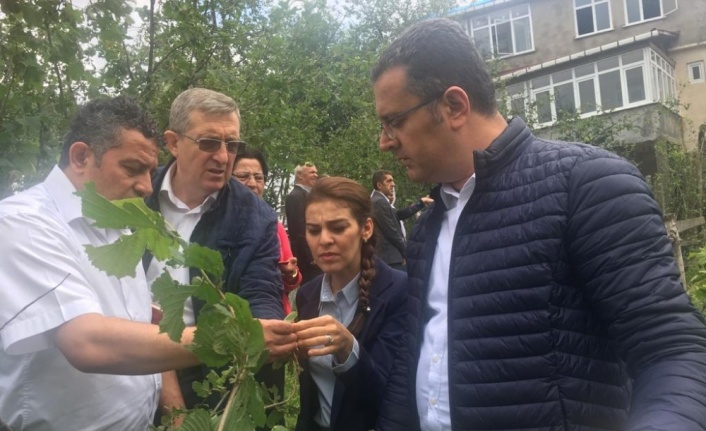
(323, 335)
(280, 338)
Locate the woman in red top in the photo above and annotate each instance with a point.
(250, 168)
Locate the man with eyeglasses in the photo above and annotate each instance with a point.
(543, 288)
(305, 175)
(197, 195)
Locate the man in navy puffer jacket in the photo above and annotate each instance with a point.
(544, 295)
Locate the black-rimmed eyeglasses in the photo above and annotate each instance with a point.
(211, 145)
(389, 125)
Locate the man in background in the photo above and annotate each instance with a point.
(390, 244)
(305, 175)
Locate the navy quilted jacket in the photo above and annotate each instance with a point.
(565, 310)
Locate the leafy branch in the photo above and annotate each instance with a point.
(227, 337)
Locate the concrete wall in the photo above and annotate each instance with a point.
(554, 28)
(554, 35)
(691, 96)
(649, 123)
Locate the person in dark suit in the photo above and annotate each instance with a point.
(305, 175)
(351, 317)
(390, 238)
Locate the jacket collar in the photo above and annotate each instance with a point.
(503, 150)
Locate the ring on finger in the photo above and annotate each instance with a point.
(329, 340)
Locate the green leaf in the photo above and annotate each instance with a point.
(197, 420)
(204, 258)
(106, 214)
(171, 297)
(129, 249)
(208, 329)
(291, 317)
(206, 291)
(255, 406)
(274, 418)
(236, 417)
(279, 428)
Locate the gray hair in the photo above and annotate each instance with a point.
(208, 102)
(301, 167)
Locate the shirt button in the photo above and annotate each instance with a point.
(435, 359)
(432, 401)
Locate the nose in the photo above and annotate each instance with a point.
(326, 237)
(386, 144)
(143, 187)
(222, 154)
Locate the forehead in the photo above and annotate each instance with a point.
(252, 165)
(391, 93)
(328, 211)
(134, 145)
(208, 123)
(389, 177)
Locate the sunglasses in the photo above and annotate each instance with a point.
(211, 145)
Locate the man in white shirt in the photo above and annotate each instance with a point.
(78, 349)
(543, 292)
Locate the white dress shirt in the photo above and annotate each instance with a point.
(183, 219)
(342, 307)
(44, 234)
(432, 389)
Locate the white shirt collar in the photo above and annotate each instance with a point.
(61, 188)
(167, 191)
(308, 189)
(451, 197)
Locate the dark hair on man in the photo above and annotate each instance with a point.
(99, 122)
(437, 54)
(379, 177)
(253, 153)
(353, 196)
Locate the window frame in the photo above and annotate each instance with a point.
(642, 13)
(592, 6)
(658, 81)
(700, 65)
(491, 29)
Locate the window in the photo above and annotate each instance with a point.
(503, 33)
(621, 81)
(696, 72)
(592, 16)
(642, 10)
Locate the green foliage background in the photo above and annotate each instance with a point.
(298, 69)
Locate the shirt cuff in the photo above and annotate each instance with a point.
(350, 362)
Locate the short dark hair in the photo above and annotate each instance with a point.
(253, 153)
(379, 176)
(99, 122)
(437, 54)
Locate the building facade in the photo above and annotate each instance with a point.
(641, 61)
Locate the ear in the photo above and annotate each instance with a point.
(457, 105)
(170, 139)
(80, 157)
(368, 229)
